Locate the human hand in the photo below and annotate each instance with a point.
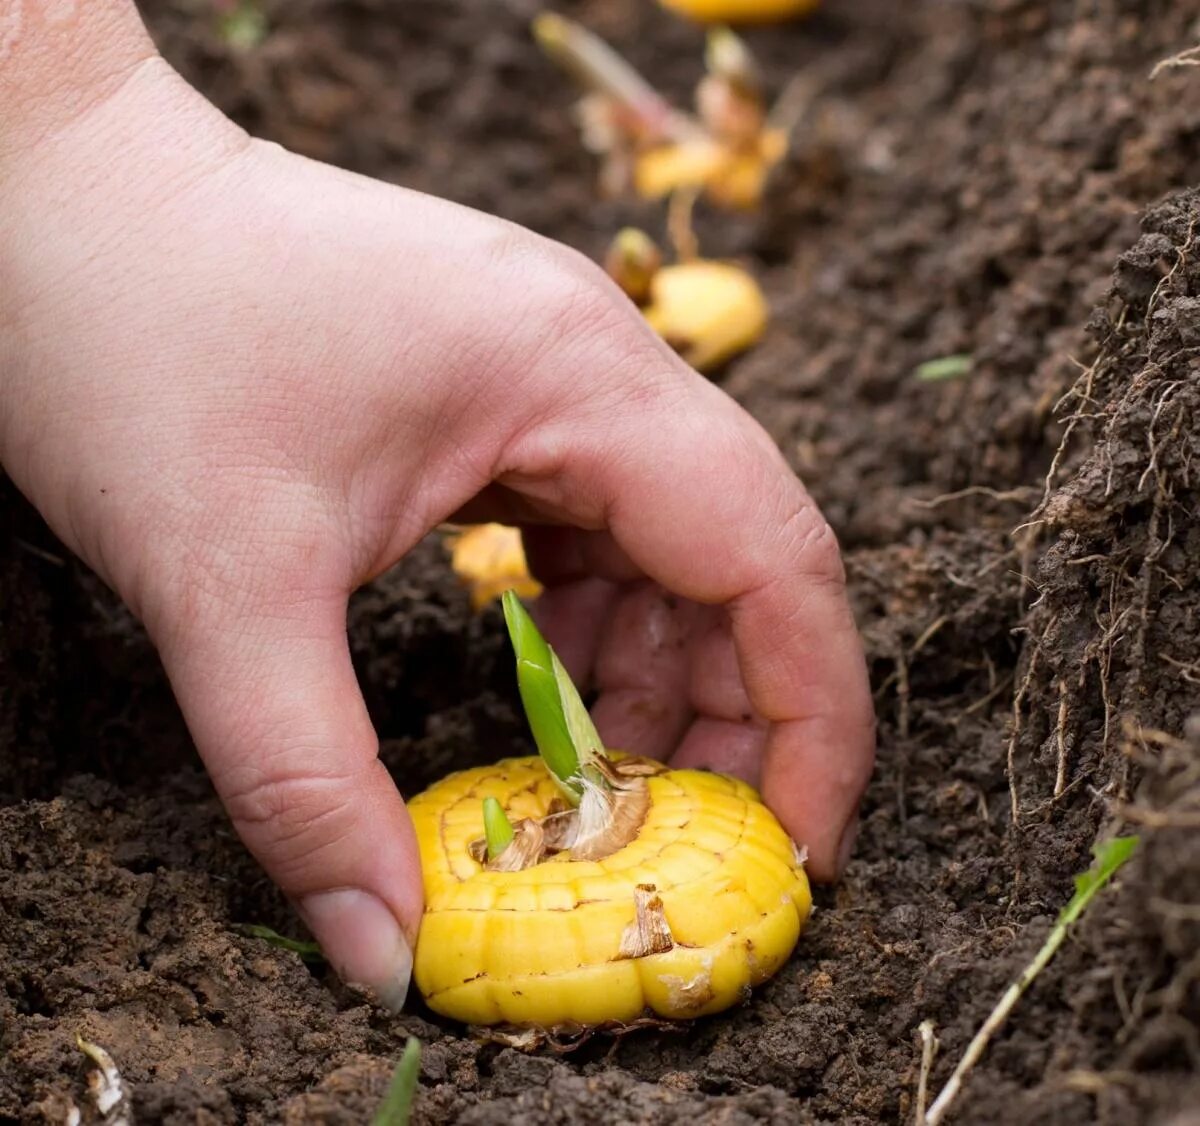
(240, 384)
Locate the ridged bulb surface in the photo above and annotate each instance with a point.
(549, 946)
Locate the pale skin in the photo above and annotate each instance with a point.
(239, 384)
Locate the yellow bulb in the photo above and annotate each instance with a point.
(559, 945)
(668, 168)
(740, 11)
(709, 311)
(490, 559)
(734, 177)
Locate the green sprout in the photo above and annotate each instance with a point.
(945, 368)
(1110, 856)
(564, 733)
(397, 1103)
(308, 951)
(497, 829)
(242, 24)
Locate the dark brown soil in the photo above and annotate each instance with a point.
(1023, 549)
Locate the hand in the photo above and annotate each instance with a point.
(240, 384)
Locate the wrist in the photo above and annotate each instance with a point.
(93, 154)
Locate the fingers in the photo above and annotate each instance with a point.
(572, 617)
(641, 671)
(729, 747)
(715, 680)
(273, 704)
(727, 735)
(558, 555)
(759, 546)
(657, 662)
(805, 672)
(580, 571)
(698, 497)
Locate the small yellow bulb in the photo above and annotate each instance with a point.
(490, 559)
(632, 260)
(708, 311)
(740, 11)
(732, 177)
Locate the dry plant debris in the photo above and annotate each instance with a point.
(105, 1086)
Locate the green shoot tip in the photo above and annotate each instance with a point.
(945, 368)
(396, 1107)
(540, 696)
(550, 30)
(562, 729)
(497, 828)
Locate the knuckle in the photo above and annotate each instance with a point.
(568, 294)
(813, 542)
(817, 544)
(806, 546)
(291, 821)
(578, 312)
(795, 537)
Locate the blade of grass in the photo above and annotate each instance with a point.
(1110, 856)
(243, 25)
(397, 1103)
(308, 951)
(945, 368)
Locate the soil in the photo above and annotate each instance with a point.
(996, 178)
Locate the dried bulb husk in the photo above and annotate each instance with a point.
(729, 98)
(731, 112)
(527, 847)
(608, 817)
(649, 932)
(608, 820)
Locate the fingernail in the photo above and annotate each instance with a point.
(846, 845)
(363, 941)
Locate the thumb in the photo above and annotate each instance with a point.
(272, 701)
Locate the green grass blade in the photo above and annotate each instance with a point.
(397, 1103)
(1110, 856)
(244, 27)
(497, 829)
(308, 951)
(945, 368)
